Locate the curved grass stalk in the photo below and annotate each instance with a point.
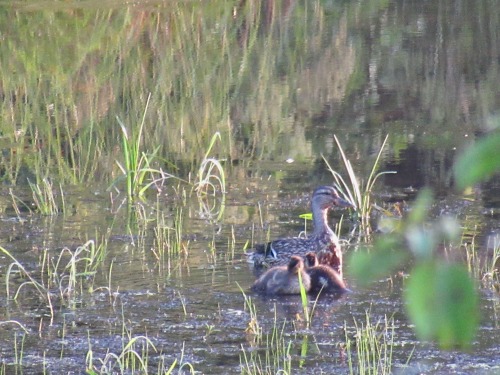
(137, 163)
(39, 287)
(211, 170)
(355, 190)
(43, 292)
(15, 201)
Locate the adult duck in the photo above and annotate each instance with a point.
(323, 241)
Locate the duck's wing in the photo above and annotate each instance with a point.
(275, 284)
(278, 252)
(260, 253)
(288, 246)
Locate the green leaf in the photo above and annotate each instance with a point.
(308, 216)
(442, 303)
(367, 266)
(449, 228)
(421, 241)
(478, 162)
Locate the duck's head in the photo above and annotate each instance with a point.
(311, 259)
(295, 265)
(327, 197)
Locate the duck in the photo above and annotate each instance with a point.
(280, 280)
(323, 278)
(323, 240)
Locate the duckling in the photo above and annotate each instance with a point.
(323, 241)
(283, 279)
(323, 278)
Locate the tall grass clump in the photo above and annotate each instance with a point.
(211, 177)
(369, 351)
(484, 267)
(358, 190)
(168, 238)
(42, 291)
(273, 358)
(68, 273)
(492, 274)
(72, 270)
(44, 198)
(136, 163)
(254, 328)
(134, 357)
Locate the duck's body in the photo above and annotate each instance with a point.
(323, 241)
(323, 278)
(283, 279)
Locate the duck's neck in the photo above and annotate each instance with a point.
(320, 218)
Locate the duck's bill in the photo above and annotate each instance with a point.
(344, 203)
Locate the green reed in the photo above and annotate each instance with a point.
(253, 326)
(369, 349)
(41, 290)
(211, 175)
(358, 190)
(68, 273)
(44, 198)
(71, 270)
(484, 267)
(19, 349)
(304, 300)
(493, 270)
(134, 357)
(273, 358)
(168, 237)
(137, 163)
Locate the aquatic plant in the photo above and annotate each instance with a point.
(71, 269)
(168, 240)
(253, 326)
(134, 357)
(273, 358)
(358, 191)
(211, 176)
(484, 267)
(45, 199)
(492, 275)
(369, 347)
(41, 290)
(137, 164)
(304, 300)
(67, 273)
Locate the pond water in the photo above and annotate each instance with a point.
(277, 81)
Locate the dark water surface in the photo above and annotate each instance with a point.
(277, 81)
